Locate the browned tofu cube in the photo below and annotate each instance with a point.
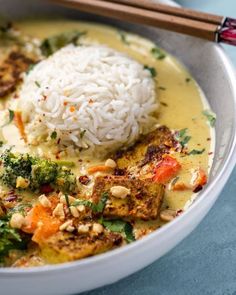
(142, 202)
(65, 246)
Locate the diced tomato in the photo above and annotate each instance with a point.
(166, 169)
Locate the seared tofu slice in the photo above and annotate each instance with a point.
(142, 202)
(147, 149)
(64, 246)
(10, 71)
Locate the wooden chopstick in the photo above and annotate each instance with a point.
(138, 15)
(172, 10)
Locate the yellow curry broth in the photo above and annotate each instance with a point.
(181, 104)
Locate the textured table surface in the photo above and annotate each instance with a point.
(205, 262)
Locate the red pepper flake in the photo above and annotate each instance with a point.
(58, 141)
(197, 189)
(46, 188)
(91, 101)
(44, 97)
(65, 103)
(84, 179)
(208, 139)
(179, 212)
(211, 153)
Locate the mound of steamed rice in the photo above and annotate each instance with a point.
(88, 97)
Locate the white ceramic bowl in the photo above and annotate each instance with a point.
(211, 68)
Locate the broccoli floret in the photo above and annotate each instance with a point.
(66, 180)
(27, 172)
(43, 172)
(14, 166)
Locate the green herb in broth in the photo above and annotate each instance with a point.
(196, 152)
(10, 119)
(152, 70)
(158, 53)
(52, 44)
(211, 117)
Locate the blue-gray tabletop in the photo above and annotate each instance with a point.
(205, 262)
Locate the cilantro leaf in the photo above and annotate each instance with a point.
(11, 117)
(211, 117)
(96, 208)
(182, 137)
(158, 53)
(53, 135)
(52, 44)
(196, 152)
(123, 37)
(152, 70)
(120, 226)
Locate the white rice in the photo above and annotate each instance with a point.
(91, 96)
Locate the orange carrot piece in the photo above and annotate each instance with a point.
(101, 168)
(166, 169)
(41, 223)
(20, 125)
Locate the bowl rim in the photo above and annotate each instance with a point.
(215, 184)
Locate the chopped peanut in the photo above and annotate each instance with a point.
(83, 228)
(17, 220)
(22, 182)
(97, 228)
(168, 215)
(44, 201)
(59, 212)
(110, 163)
(70, 198)
(120, 192)
(68, 226)
(74, 211)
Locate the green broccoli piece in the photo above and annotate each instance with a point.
(26, 172)
(43, 172)
(65, 180)
(14, 166)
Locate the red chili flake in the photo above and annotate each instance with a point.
(197, 189)
(208, 139)
(58, 141)
(91, 101)
(179, 212)
(84, 179)
(211, 153)
(44, 97)
(46, 188)
(65, 103)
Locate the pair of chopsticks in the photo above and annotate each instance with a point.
(198, 24)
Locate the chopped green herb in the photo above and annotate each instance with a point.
(1, 143)
(11, 117)
(19, 208)
(123, 37)
(37, 84)
(82, 133)
(54, 43)
(182, 137)
(187, 80)
(9, 239)
(162, 88)
(30, 68)
(67, 202)
(158, 53)
(97, 208)
(152, 70)
(120, 226)
(196, 152)
(54, 135)
(211, 117)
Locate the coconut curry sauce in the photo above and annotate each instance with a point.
(83, 210)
